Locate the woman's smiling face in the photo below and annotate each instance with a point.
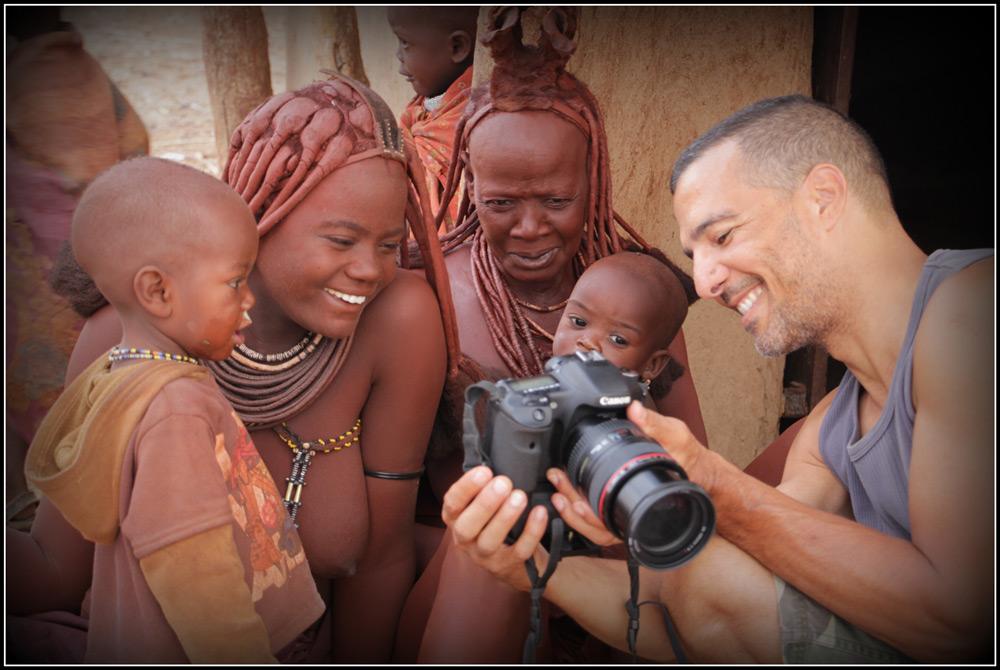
(336, 250)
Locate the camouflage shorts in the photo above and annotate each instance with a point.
(812, 634)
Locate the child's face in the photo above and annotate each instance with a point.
(212, 295)
(424, 53)
(605, 313)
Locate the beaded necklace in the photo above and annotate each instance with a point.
(267, 395)
(122, 354)
(538, 308)
(534, 325)
(302, 454)
(281, 356)
(264, 395)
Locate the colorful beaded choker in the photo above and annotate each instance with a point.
(122, 354)
(264, 395)
(281, 360)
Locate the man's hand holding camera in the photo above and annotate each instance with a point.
(482, 509)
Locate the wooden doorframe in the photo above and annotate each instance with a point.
(834, 38)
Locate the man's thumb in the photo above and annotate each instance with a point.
(665, 430)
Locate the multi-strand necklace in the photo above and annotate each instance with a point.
(534, 325)
(269, 389)
(509, 327)
(266, 393)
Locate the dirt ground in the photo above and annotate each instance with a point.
(154, 56)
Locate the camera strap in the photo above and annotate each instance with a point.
(470, 431)
(538, 583)
(633, 616)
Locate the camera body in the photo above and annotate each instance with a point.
(573, 417)
(529, 420)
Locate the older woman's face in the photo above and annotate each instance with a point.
(336, 250)
(531, 192)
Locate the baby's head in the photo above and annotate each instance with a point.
(629, 307)
(436, 45)
(171, 248)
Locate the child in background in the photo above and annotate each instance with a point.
(196, 559)
(436, 47)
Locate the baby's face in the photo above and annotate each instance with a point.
(606, 313)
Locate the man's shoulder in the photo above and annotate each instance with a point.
(972, 282)
(965, 297)
(956, 331)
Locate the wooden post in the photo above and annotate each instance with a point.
(833, 64)
(237, 68)
(323, 38)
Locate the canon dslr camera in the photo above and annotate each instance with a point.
(573, 417)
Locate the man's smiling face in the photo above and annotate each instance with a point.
(751, 253)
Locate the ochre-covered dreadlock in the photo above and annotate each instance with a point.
(534, 78)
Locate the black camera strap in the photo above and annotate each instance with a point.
(633, 616)
(470, 431)
(534, 638)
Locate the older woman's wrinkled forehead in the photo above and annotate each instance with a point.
(527, 137)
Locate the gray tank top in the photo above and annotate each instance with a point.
(876, 468)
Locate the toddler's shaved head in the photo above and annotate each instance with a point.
(148, 211)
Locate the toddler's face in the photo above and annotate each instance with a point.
(213, 298)
(606, 314)
(424, 54)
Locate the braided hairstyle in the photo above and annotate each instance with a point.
(534, 78)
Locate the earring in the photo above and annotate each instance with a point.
(645, 385)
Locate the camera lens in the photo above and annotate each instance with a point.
(642, 495)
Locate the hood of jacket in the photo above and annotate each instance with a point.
(75, 459)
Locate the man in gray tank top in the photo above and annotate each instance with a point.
(879, 543)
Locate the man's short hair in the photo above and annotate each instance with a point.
(781, 139)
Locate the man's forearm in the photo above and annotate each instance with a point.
(594, 591)
(884, 585)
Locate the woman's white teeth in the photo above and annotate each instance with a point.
(748, 301)
(347, 297)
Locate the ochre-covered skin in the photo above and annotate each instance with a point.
(344, 212)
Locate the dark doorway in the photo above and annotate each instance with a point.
(921, 81)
